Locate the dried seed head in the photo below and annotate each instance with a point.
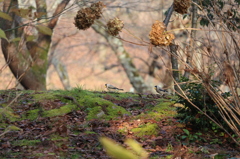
(158, 36)
(97, 9)
(85, 17)
(181, 6)
(114, 26)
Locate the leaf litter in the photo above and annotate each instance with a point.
(29, 133)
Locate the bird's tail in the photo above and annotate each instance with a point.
(120, 89)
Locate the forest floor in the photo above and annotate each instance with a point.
(68, 124)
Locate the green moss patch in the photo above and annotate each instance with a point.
(55, 137)
(7, 112)
(25, 142)
(39, 96)
(148, 129)
(123, 131)
(105, 112)
(61, 111)
(95, 112)
(115, 111)
(32, 114)
(159, 111)
(89, 132)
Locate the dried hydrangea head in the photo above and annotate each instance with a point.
(114, 26)
(181, 6)
(97, 9)
(158, 36)
(85, 17)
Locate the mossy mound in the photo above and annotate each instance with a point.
(59, 123)
(145, 130)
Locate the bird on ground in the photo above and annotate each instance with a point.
(113, 88)
(160, 90)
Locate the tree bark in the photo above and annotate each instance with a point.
(30, 66)
(173, 49)
(174, 61)
(191, 49)
(60, 68)
(62, 73)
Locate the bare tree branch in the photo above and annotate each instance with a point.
(124, 58)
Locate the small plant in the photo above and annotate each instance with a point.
(190, 137)
(169, 148)
(198, 95)
(216, 141)
(214, 127)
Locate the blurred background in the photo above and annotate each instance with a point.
(86, 59)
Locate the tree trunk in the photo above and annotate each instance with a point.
(124, 58)
(60, 68)
(190, 52)
(174, 61)
(28, 64)
(173, 49)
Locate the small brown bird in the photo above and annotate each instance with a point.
(160, 90)
(111, 87)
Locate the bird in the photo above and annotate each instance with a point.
(160, 90)
(111, 87)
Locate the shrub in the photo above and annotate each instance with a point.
(198, 95)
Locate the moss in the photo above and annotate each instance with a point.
(86, 98)
(40, 72)
(94, 105)
(164, 105)
(13, 155)
(44, 96)
(123, 131)
(165, 108)
(146, 130)
(160, 111)
(55, 137)
(7, 112)
(13, 93)
(3, 125)
(13, 128)
(76, 155)
(61, 111)
(93, 112)
(151, 115)
(38, 154)
(89, 132)
(115, 111)
(79, 92)
(25, 142)
(59, 140)
(112, 111)
(125, 95)
(32, 114)
(89, 101)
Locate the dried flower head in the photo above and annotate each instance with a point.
(158, 36)
(85, 17)
(181, 6)
(97, 9)
(114, 26)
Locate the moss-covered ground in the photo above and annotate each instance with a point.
(68, 124)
